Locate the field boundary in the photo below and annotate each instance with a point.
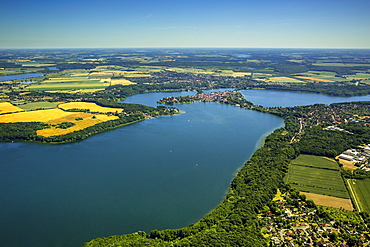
(353, 195)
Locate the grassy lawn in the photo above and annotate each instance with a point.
(318, 175)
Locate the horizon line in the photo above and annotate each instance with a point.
(71, 48)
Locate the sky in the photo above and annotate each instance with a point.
(187, 24)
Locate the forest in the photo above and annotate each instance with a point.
(234, 222)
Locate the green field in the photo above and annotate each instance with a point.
(317, 175)
(324, 75)
(359, 76)
(38, 105)
(67, 86)
(361, 188)
(342, 64)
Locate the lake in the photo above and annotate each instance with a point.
(160, 173)
(20, 77)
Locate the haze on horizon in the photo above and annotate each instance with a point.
(186, 24)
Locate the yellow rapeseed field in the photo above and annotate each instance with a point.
(88, 120)
(88, 106)
(71, 118)
(56, 116)
(121, 82)
(34, 116)
(7, 107)
(313, 79)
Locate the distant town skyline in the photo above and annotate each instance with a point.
(185, 24)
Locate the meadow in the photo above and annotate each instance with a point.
(317, 175)
(67, 86)
(38, 105)
(361, 188)
(321, 76)
(342, 64)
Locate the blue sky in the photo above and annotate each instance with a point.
(202, 23)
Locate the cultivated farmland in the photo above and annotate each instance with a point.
(329, 201)
(281, 79)
(92, 107)
(68, 86)
(317, 175)
(7, 107)
(361, 189)
(34, 116)
(38, 105)
(80, 120)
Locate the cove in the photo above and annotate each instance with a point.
(160, 173)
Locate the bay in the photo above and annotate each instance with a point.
(160, 173)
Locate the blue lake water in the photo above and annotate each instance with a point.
(269, 98)
(160, 173)
(20, 77)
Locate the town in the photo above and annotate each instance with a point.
(222, 97)
(291, 220)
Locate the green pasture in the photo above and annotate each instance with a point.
(76, 71)
(186, 70)
(342, 64)
(359, 76)
(316, 161)
(38, 105)
(362, 190)
(149, 69)
(17, 71)
(67, 86)
(137, 75)
(111, 67)
(325, 75)
(82, 79)
(318, 175)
